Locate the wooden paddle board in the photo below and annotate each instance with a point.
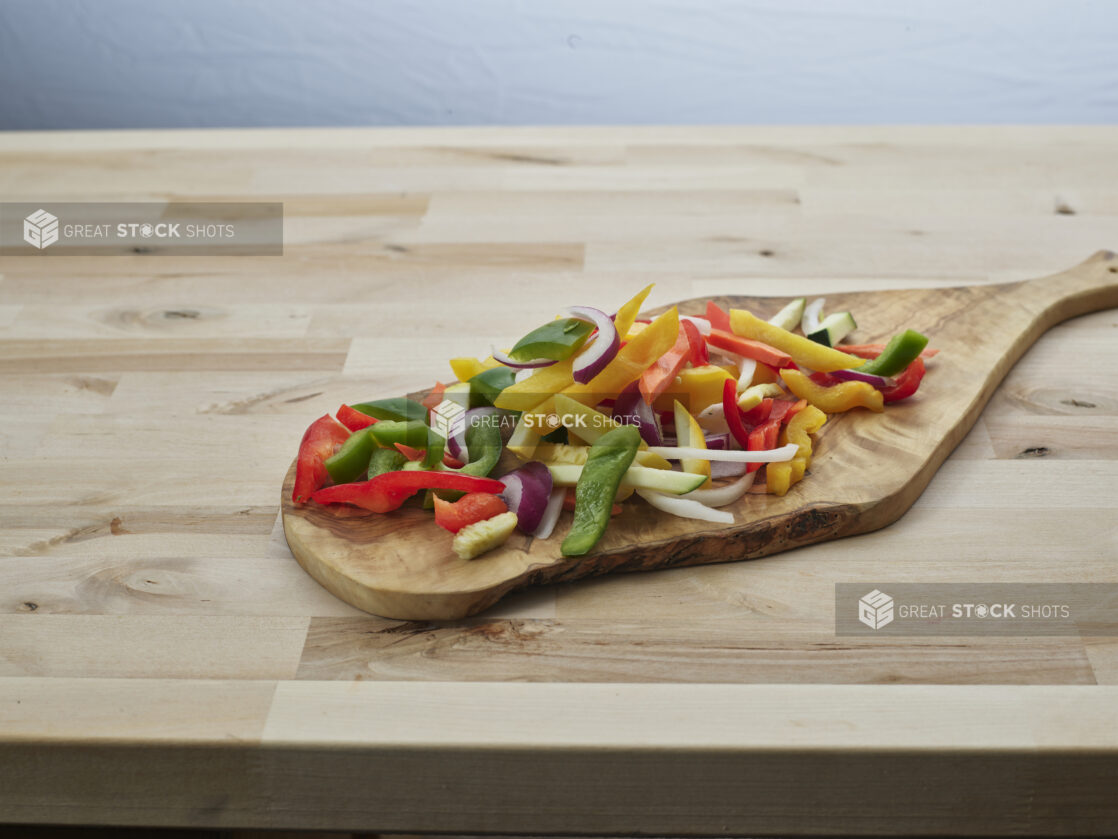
(867, 471)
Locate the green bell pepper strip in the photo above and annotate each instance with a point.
(351, 461)
(484, 446)
(900, 352)
(556, 340)
(413, 433)
(487, 385)
(398, 409)
(608, 460)
(385, 460)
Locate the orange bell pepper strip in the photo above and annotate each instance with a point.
(655, 379)
(836, 398)
(749, 348)
(874, 350)
(433, 398)
(718, 317)
(802, 350)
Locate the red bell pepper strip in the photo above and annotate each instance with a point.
(749, 348)
(656, 379)
(409, 452)
(784, 409)
(324, 437)
(354, 420)
(417, 454)
(469, 509)
(698, 356)
(733, 413)
(719, 318)
(761, 438)
(906, 383)
(758, 414)
(388, 491)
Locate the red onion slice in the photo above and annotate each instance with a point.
(521, 365)
(879, 382)
(602, 347)
(528, 493)
(631, 409)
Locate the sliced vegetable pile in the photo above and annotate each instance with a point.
(686, 413)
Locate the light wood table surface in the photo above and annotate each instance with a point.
(164, 661)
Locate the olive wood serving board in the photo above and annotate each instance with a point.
(867, 471)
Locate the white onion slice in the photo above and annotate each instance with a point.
(747, 368)
(551, 513)
(721, 496)
(521, 375)
(702, 323)
(784, 453)
(810, 321)
(726, 469)
(602, 347)
(713, 419)
(684, 507)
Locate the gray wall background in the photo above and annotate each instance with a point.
(183, 63)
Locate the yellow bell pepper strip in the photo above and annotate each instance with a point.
(524, 440)
(751, 397)
(802, 350)
(630, 362)
(696, 388)
(781, 476)
(689, 435)
(836, 398)
(466, 368)
(655, 379)
(537, 388)
(627, 314)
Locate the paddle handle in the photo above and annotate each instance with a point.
(1088, 287)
